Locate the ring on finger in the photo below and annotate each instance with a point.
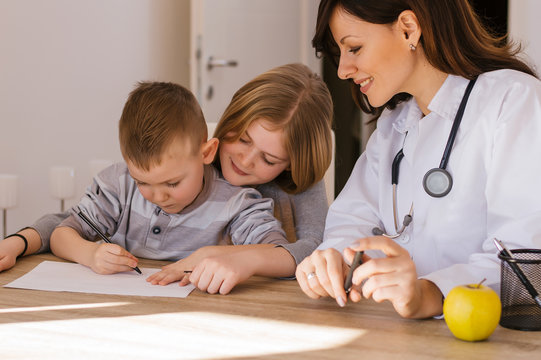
(311, 275)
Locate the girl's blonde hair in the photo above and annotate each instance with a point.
(294, 99)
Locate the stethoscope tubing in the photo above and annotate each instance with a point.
(395, 169)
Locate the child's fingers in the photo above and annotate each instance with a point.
(118, 250)
(156, 277)
(170, 277)
(6, 262)
(203, 282)
(227, 285)
(121, 256)
(195, 275)
(215, 284)
(185, 280)
(104, 267)
(107, 259)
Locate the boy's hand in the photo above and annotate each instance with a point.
(111, 258)
(171, 273)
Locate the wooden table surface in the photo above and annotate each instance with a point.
(261, 319)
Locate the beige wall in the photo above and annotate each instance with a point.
(66, 68)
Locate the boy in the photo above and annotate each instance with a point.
(165, 201)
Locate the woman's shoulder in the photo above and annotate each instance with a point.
(507, 80)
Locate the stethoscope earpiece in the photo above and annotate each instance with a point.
(437, 182)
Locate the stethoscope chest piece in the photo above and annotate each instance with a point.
(437, 182)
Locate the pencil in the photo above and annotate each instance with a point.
(98, 231)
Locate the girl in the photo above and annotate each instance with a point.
(447, 93)
(275, 135)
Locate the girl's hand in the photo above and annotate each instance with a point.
(111, 258)
(171, 273)
(330, 271)
(393, 278)
(219, 274)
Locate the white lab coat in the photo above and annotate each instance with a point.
(496, 169)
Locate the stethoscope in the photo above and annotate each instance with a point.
(437, 182)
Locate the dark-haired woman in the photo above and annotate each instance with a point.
(454, 161)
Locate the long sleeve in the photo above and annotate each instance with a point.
(45, 226)
(254, 222)
(355, 212)
(309, 210)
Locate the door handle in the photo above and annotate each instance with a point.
(220, 63)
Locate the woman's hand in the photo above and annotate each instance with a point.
(393, 278)
(111, 258)
(330, 271)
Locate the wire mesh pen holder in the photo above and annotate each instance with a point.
(62, 183)
(8, 197)
(519, 309)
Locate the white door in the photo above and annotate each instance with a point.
(233, 41)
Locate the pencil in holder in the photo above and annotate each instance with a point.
(519, 309)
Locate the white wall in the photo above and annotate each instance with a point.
(66, 68)
(524, 27)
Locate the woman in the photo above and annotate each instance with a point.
(412, 62)
(274, 135)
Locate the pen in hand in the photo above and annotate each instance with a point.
(98, 231)
(357, 260)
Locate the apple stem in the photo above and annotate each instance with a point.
(482, 281)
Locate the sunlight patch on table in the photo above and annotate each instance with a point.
(62, 307)
(190, 335)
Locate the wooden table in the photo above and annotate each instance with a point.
(262, 318)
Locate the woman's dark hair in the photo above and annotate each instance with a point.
(453, 39)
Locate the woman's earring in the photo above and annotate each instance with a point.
(412, 47)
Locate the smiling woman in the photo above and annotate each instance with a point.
(438, 82)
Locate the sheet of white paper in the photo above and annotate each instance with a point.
(61, 276)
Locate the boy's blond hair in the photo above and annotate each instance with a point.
(155, 115)
(292, 98)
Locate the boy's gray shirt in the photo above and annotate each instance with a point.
(303, 215)
(221, 213)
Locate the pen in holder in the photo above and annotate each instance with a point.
(62, 183)
(520, 288)
(8, 196)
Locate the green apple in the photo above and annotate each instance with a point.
(472, 312)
